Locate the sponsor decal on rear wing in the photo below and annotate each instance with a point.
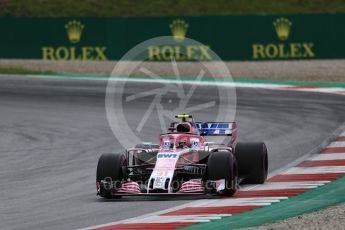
(216, 128)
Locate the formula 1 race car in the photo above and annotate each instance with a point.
(184, 163)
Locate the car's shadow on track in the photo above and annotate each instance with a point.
(157, 198)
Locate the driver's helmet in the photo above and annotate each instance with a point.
(183, 128)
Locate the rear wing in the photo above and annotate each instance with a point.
(217, 128)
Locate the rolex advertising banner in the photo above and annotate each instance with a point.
(278, 37)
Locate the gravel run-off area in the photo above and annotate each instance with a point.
(316, 71)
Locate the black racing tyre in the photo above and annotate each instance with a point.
(222, 165)
(203, 156)
(252, 161)
(109, 168)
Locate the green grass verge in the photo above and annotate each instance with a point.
(20, 70)
(211, 79)
(101, 8)
(312, 200)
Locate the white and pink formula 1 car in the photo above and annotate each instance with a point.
(184, 163)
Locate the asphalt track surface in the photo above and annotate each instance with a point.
(52, 132)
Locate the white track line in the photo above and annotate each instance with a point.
(336, 144)
(259, 201)
(149, 215)
(315, 170)
(179, 218)
(156, 218)
(321, 90)
(333, 156)
(288, 185)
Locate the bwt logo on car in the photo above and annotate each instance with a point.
(167, 155)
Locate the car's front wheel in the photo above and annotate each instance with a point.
(222, 167)
(110, 174)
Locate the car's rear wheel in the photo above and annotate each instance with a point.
(252, 162)
(110, 174)
(223, 166)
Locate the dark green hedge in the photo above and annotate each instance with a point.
(101, 8)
